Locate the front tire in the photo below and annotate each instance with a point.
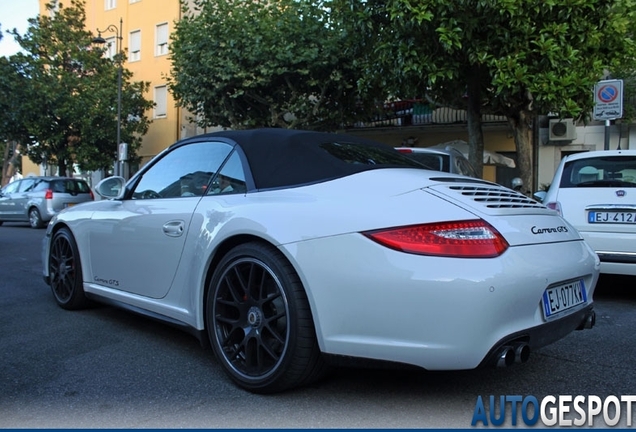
(35, 219)
(65, 271)
(259, 321)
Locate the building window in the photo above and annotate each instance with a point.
(135, 46)
(111, 47)
(55, 9)
(110, 4)
(161, 101)
(161, 35)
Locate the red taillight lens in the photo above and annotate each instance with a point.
(48, 194)
(554, 205)
(405, 150)
(92, 196)
(461, 239)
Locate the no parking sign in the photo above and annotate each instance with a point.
(608, 100)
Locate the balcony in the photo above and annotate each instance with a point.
(419, 113)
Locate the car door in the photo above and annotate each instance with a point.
(8, 208)
(137, 245)
(21, 199)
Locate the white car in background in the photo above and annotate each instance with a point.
(596, 192)
(447, 159)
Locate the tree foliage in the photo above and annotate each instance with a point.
(518, 58)
(245, 64)
(65, 108)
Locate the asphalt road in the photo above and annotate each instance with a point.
(106, 368)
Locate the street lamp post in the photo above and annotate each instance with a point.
(100, 40)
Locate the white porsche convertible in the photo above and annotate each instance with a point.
(288, 250)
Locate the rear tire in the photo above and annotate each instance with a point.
(259, 321)
(65, 271)
(35, 219)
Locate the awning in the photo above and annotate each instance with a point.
(490, 158)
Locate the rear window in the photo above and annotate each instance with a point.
(359, 154)
(603, 171)
(72, 187)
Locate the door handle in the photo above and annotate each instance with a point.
(173, 228)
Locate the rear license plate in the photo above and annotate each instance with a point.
(560, 298)
(611, 217)
(69, 205)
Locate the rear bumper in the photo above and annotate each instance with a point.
(622, 263)
(544, 334)
(437, 313)
(617, 251)
(617, 257)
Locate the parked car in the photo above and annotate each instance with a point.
(596, 192)
(448, 160)
(326, 247)
(37, 199)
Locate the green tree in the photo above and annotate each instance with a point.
(11, 126)
(68, 107)
(245, 64)
(518, 58)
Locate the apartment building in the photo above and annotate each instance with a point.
(144, 27)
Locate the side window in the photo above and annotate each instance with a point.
(41, 185)
(27, 185)
(184, 172)
(12, 187)
(231, 178)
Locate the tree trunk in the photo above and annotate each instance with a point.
(475, 132)
(522, 131)
(61, 168)
(8, 167)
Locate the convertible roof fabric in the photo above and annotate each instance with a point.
(286, 157)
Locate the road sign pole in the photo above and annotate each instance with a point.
(607, 134)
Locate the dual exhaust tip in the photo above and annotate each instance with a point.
(519, 352)
(511, 354)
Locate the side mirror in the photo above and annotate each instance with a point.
(540, 195)
(111, 188)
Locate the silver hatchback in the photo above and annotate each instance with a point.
(37, 199)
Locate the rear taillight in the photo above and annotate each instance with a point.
(48, 194)
(92, 196)
(554, 205)
(462, 239)
(405, 150)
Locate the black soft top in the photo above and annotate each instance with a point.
(288, 157)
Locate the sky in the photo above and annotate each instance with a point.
(14, 14)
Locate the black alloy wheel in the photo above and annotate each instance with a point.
(65, 271)
(259, 321)
(35, 219)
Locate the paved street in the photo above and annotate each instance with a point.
(104, 367)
